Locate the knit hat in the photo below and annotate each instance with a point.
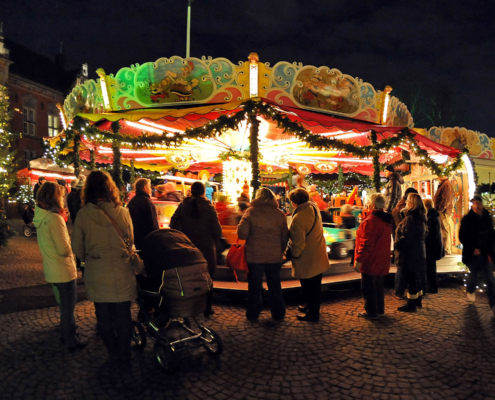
(390, 168)
(477, 197)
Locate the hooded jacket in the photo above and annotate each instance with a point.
(373, 244)
(410, 242)
(433, 241)
(108, 276)
(309, 251)
(393, 191)
(53, 239)
(264, 227)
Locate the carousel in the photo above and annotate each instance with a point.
(250, 123)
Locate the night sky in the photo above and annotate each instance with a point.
(440, 50)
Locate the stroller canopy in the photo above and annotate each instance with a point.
(166, 249)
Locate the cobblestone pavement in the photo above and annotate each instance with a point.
(21, 264)
(444, 351)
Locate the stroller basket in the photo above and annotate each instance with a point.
(173, 307)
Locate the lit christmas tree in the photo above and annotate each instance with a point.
(7, 162)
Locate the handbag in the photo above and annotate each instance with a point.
(236, 259)
(136, 262)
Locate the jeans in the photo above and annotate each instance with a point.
(481, 264)
(374, 299)
(431, 275)
(255, 287)
(311, 288)
(68, 297)
(114, 323)
(400, 283)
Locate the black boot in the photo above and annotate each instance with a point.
(409, 307)
(419, 302)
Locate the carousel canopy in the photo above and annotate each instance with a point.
(278, 149)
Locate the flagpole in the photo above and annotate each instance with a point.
(188, 42)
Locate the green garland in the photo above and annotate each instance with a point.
(340, 179)
(117, 159)
(92, 160)
(76, 157)
(246, 155)
(332, 186)
(252, 108)
(253, 138)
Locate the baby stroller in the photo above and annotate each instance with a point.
(27, 216)
(171, 296)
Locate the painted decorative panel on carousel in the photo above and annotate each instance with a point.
(478, 144)
(169, 81)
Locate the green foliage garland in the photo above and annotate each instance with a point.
(253, 138)
(252, 108)
(340, 179)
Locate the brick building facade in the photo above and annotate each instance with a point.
(35, 84)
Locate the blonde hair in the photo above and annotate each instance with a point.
(49, 196)
(265, 194)
(417, 203)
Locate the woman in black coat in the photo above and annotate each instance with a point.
(434, 246)
(198, 220)
(410, 252)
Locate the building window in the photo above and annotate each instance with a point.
(29, 121)
(53, 125)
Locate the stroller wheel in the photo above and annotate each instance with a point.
(138, 335)
(164, 355)
(27, 231)
(212, 342)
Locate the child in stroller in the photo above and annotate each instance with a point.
(173, 292)
(27, 216)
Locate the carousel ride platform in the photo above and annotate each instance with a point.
(339, 272)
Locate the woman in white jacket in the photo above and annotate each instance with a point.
(58, 261)
(108, 274)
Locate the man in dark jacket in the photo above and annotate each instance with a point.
(372, 256)
(393, 191)
(143, 212)
(74, 199)
(477, 237)
(444, 205)
(41, 180)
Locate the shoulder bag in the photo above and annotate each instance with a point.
(136, 261)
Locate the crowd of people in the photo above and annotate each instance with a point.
(104, 229)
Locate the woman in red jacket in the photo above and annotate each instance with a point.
(372, 256)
